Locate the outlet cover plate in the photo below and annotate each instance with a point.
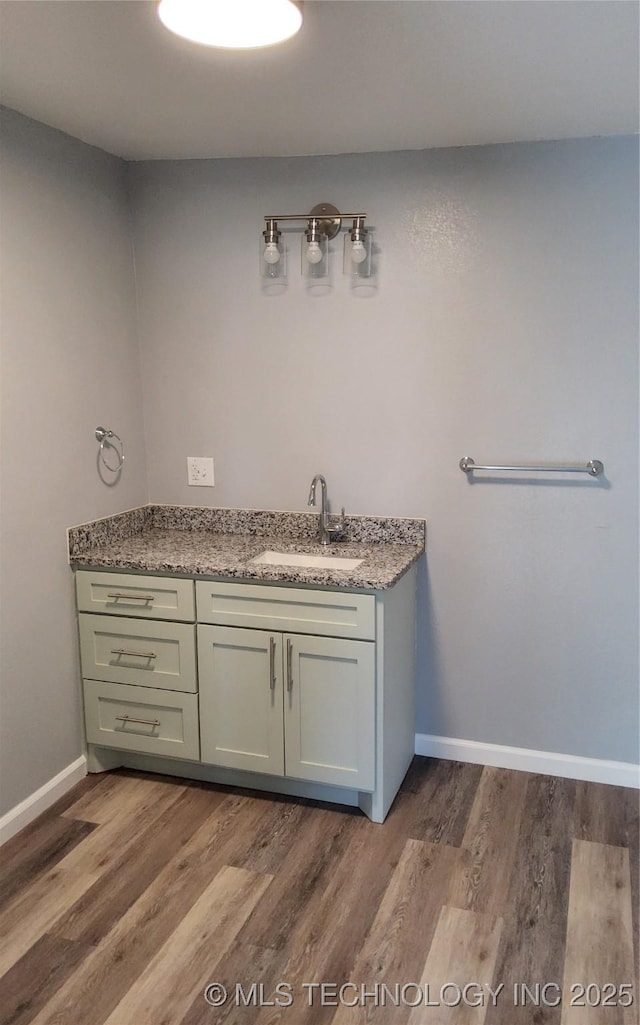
(200, 472)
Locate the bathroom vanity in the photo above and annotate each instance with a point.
(201, 661)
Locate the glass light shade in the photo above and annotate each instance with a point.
(273, 260)
(314, 258)
(234, 24)
(357, 257)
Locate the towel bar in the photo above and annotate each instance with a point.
(594, 467)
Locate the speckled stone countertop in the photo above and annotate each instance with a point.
(223, 543)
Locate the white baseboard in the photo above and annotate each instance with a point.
(36, 803)
(593, 770)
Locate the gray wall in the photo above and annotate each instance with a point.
(504, 327)
(69, 362)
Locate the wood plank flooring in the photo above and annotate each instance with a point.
(488, 897)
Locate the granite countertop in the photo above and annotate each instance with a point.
(222, 543)
(199, 553)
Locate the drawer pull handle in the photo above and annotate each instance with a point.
(272, 663)
(143, 722)
(289, 666)
(133, 597)
(138, 654)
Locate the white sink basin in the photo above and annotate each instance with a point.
(302, 559)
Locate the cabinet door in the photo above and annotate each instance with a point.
(329, 710)
(241, 687)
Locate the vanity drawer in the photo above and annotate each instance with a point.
(291, 609)
(135, 719)
(128, 594)
(134, 652)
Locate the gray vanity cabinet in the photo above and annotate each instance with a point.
(306, 690)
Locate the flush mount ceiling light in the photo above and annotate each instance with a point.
(234, 24)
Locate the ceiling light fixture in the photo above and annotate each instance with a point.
(233, 24)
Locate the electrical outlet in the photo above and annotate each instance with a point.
(200, 471)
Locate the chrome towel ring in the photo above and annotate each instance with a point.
(105, 437)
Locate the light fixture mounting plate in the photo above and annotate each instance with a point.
(328, 217)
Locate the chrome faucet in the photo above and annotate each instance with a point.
(324, 529)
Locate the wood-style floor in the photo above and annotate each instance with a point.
(134, 893)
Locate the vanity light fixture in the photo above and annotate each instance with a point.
(232, 24)
(324, 222)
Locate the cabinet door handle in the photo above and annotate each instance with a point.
(143, 722)
(289, 666)
(272, 663)
(132, 597)
(139, 654)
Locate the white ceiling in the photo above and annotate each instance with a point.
(361, 76)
